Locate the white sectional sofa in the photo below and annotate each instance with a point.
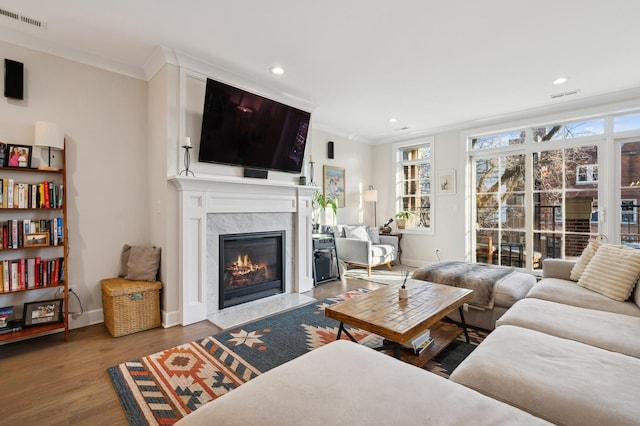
(568, 353)
(343, 383)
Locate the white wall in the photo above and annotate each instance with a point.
(104, 116)
(355, 157)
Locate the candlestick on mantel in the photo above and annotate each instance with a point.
(187, 157)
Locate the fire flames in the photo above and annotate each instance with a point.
(243, 269)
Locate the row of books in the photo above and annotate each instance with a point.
(27, 273)
(45, 195)
(14, 232)
(420, 343)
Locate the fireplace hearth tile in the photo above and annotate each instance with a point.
(251, 311)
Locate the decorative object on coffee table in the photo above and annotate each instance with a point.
(403, 293)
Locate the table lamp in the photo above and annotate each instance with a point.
(50, 136)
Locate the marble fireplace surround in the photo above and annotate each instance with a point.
(209, 205)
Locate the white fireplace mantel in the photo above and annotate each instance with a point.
(202, 196)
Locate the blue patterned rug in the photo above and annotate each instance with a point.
(164, 387)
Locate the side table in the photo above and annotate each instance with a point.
(399, 236)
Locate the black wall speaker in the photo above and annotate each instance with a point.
(330, 149)
(256, 173)
(13, 79)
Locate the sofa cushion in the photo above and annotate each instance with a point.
(382, 250)
(374, 236)
(346, 383)
(606, 330)
(359, 232)
(585, 258)
(562, 381)
(512, 288)
(570, 293)
(613, 271)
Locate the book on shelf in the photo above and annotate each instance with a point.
(420, 343)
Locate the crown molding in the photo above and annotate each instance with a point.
(41, 45)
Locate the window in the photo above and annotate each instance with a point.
(534, 199)
(629, 192)
(623, 123)
(498, 141)
(414, 188)
(577, 129)
(587, 174)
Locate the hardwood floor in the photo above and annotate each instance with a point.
(47, 381)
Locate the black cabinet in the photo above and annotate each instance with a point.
(325, 259)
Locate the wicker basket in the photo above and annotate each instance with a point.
(130, 306)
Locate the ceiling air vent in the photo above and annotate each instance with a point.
(24, 19)
(563, 94)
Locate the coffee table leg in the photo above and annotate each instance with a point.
(341, 329)
(464, 325)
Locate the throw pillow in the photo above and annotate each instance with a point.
(124, 259)
(374, 237)
(585, 258)
(143, 263)
(359, 232)
(613, 272)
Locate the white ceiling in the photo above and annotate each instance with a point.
(431, 64)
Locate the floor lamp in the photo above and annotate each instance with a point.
(371, 195)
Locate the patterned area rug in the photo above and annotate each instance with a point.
(161, 388)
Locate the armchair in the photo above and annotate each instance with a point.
(361, 245)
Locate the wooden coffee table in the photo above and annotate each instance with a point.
(383, 313)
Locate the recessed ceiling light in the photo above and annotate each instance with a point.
(277, 70)
(393, 120)
(560, 80)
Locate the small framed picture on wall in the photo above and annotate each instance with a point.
(334, 183)
(447, 182)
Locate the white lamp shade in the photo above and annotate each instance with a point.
(370, 195)
(49, 135)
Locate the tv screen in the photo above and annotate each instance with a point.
(240, 128)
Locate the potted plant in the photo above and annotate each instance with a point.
(401, 219)
(320, 204)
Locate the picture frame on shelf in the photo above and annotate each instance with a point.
(38, 239)
(18, 156)
(334, 183)
(447, 182)
(3, 154)
(43, 312)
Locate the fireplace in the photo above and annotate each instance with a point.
(251, 266)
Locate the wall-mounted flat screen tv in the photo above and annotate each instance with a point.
(240, 128)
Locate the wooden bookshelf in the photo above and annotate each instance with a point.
(38, 215)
